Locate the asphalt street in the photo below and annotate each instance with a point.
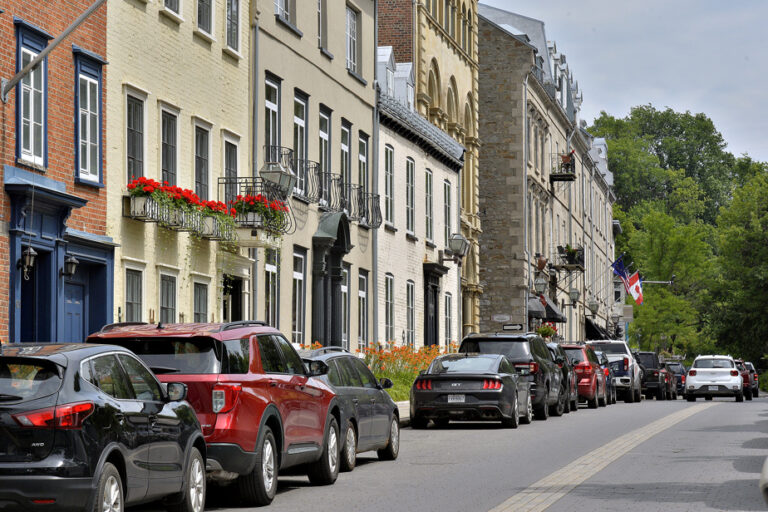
(650, 456)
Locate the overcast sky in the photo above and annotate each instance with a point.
(707, 56)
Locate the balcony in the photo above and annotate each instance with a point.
(308, 181)
(570, 259)
(563, 167)
(202, 223)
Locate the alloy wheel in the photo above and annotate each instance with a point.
(333, 450)
(197, 486)
(112, 496)
(394, 436)
(268, 466)
(350, 445)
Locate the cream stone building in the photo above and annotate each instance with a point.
(440, 38)
(419, 178)
(315, 99)
(178, 110)
(546, 195)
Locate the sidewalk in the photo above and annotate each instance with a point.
(405, 413)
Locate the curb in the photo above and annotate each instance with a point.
(404, 408)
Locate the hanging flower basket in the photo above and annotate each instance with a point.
(143, 208)
(249, 220)
(248, 237)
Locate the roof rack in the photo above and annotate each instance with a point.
(242, 323)
(325, 350)
(110, 327)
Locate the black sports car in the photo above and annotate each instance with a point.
(468, 386)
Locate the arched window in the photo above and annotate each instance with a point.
(470, 34)
(464, 26)
(447, 15)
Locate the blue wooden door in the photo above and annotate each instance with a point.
(74, 312)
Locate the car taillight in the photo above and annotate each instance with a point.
(66, 416)
(626, 364)
(691, 373)
(607, 372)
(755, 377)
(424, 384)
(491, 384)
(682, 378)
(655, 374)
(224, 397)
(735, 373)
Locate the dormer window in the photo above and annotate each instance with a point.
(390, 82)
(409, 88)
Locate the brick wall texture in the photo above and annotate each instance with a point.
(60, 109)
(396, 27)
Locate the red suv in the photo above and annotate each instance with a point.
(589, 375)
(746, 377)
(260, 408)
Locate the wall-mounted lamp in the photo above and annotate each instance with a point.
(615, 318)
(275, 173)
(27, 261)
(459, 247)
(540, 284)
(593, 306)
(70, 266)
(574, 295)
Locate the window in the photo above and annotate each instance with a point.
(369, 381)
(134, 137)
(173, 5)
(143, 383)
(292, 360)
(200, 301)
(390, 82)
(322, 23)
(133, 295)
(233, 24)
(448, 319)
(271, 114)
(324, 157)
(236, 356)
(362, 309)
(169, 147)
(429, 217)
(389, 184)
(283, 9)
(271, 360)
(230, 169)
(409, 195)
(346, 163)
(447, 211)
(464, 27)
(88, 118)
(107, 375)
(202, 137)
(167, 299)
(447, 14)
(31, 100)
(300, 144)
(204, 15)
(349, 376)
(271, 287)
(410, 297)
(389, 308)
(352, 40)
(345, 307)
(299, 269)
(362, 163)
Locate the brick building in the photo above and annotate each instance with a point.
(53, 176)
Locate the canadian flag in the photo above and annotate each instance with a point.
(636, 288)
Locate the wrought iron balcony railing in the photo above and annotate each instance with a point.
(563, 167)
(308, 186)
(372, 217)
(232, 187)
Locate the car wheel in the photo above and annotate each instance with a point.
(326, 469)
(602, 402)
(575, 404)
(638, 396)
(528, 418)
(392, 449)
(259, 487)
(629, 396)
(349, 449)
(559, 408)
(748, 394)
(592, 404)
(690, 398)
(192, 497)
(542, 411)
(756, 393)
(514, 420)
(567, 404)
(739, 397)
(109, 493)
(418, 422)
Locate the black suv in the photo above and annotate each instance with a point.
(532, 358)
(89, 424)
(569, 376)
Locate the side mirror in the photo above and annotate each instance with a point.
(177, 391)
(422, 372)
(317, 368)
(559, 360)
(385, 383)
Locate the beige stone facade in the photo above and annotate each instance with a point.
(177, 99)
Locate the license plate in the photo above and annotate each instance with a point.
(455, 399)
(714, 388)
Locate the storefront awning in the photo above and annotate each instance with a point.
(553, 312)
(595, 332)
(548, 312)
(535, 308)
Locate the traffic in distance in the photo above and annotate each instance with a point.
(157, 413)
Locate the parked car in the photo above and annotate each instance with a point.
(89, 425)
(655, 379)
(746, 376)
(753, 373)
(260, 409)
(678, 371)
(714, 375)
(369, 417)
(610, 378)
(627, 374)
(532, 359)
(591, 378)
(569, 376)
(471, 387)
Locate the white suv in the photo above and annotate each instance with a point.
(714, 376)
(627, 377)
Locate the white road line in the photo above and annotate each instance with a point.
(540, 495)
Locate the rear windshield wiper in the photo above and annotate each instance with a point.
(5, 397)
(163, 369)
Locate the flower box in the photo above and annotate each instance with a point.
(142, 208)
(250, 220)
(248, 237)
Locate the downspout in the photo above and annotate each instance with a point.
(254, 161)
(525, 198)
(375, 177)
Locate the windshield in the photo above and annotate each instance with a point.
(647, 360)
(713, 363)
(610, 348)
(175, 355)
(576, 355)
(675, 368)
(513, 349)
(27, 379)
(461, 364)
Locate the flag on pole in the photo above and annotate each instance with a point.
(619, 270)
(636, 288)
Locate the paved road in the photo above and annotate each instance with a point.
(651, 456)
